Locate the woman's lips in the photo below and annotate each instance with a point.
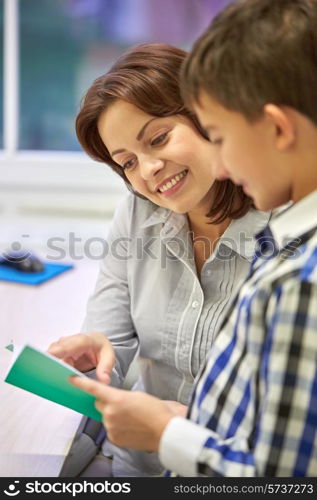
(175, 188)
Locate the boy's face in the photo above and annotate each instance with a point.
(246, 153)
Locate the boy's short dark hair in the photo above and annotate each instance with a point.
(257, 52)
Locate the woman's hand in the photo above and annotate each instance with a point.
(86, 352)
(133, 419)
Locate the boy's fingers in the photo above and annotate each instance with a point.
(97, 389)
(99, 405)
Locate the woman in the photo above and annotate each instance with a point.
(178, 245)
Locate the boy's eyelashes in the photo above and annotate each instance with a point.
(208, 131)
(212, 138)
(216, 141)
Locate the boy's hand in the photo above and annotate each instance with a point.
(133, 419)
(177, 408)
(86, 352)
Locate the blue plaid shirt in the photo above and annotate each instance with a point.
(254, 407)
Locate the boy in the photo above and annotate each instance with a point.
(251, 79)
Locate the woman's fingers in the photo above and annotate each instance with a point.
(71, 346)
(106, 363)
(85, 352)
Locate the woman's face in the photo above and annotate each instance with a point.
(165, 159)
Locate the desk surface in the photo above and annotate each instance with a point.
(35, 434)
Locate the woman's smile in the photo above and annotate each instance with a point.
(173, 184)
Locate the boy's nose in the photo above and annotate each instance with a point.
(218, 169)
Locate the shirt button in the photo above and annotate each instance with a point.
(195, 304)
(208, 272)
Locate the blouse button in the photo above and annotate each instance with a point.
(195, 304)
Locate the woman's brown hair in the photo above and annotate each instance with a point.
(147, 76)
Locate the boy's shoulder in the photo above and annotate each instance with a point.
(293, 265)
(294, 230)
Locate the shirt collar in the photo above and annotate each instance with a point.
(172, 222)
(159, 216)
(240, 234)
(295, 221)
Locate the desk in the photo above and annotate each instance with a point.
(35, 434)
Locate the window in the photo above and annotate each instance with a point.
(53, 51)
(64, 44)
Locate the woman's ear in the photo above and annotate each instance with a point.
(283, 123)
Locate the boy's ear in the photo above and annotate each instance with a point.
(284, 125)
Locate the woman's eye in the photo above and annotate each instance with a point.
(128, 164)
(159, 139)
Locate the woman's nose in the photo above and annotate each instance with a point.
(150, 166)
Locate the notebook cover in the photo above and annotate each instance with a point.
(42, 374)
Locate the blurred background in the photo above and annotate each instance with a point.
(50, 52)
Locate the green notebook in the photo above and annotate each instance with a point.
(42, 374)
